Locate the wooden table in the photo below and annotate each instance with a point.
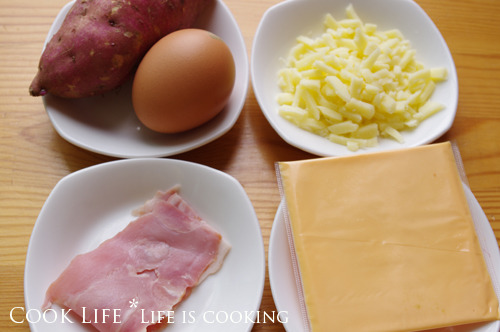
(33, 157)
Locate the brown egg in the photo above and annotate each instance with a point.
(183, 81)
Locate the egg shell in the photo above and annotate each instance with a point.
(183, 81)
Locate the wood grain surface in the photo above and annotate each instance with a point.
(33, 157)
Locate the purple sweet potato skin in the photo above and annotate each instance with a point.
(101, 41)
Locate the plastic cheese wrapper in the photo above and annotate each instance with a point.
(385, 242)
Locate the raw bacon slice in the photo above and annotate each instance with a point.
(149, 266)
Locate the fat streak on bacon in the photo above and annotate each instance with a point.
(155, 261)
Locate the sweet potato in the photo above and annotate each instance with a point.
(101, 41)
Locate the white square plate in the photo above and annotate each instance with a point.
(107, 123)
(284, 22)
(91, 205)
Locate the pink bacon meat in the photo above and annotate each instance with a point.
(153, 262)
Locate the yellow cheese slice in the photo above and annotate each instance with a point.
(386, 242)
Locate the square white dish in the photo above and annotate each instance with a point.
(107, 123)
(284, 22)
(91, 205)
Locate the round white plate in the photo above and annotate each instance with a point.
(89, 206)
(107, 124)
(284, 22)
(284, 288)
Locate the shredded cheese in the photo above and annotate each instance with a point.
(354, 84)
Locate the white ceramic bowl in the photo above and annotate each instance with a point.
(89, 206)
(107, 124)
(282, 23)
